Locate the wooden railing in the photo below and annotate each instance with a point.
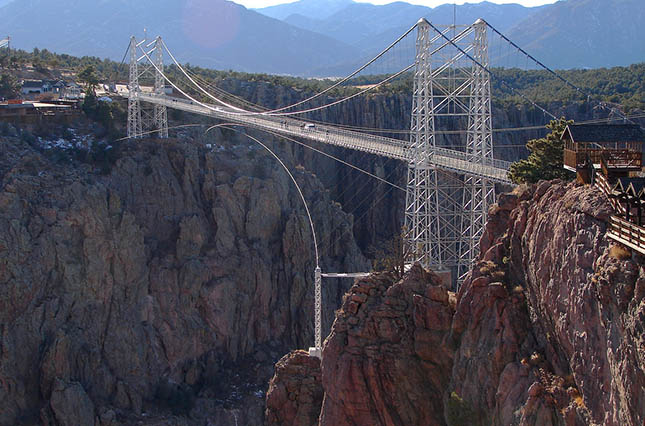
(620, 229)
(570, 158)
(601, 183)
(627, 233)
(620, 158)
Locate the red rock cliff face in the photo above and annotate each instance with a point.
(385, 361)
(548, 329)
(165, 289)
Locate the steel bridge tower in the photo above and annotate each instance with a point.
(446, 212)
(142, 119)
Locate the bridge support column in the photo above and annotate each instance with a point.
(479, 194)
(142, 119)
(446, 212)
(134, 106)
(317, 349)
(421, 215)
(160, 112)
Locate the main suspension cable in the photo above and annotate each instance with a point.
(556, 75)
(479, 64)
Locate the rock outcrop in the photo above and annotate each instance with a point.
(295, 392)
(164, 289)
(547, 329)
(386, 353)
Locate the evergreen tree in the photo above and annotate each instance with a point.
(9, 86)
(89, 77)
(545, 162)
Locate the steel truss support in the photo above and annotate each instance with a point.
(421, 223)
(446, 212)
(134, 106)
(146, 118)
(160, 112)
(479, 194)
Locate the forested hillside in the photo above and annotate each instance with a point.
(624, 86)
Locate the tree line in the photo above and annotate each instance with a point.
(619, 85)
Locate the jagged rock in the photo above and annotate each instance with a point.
(295, 392)
(547, 329)
(163, 270)
(547, 243)
(391, 363)
(71, 405)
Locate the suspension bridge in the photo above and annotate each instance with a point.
(450, 187)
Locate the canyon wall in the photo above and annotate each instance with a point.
(161, 288)
(159, 291)
(547, 330)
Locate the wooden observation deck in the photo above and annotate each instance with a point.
(616, 147)
(611, 158)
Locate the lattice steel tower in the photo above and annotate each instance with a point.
(446, 212)
(142, 119)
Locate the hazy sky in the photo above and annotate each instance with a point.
(430, 3)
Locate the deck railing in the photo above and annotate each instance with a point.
(444, 158)
(627, 233)
(601, 183)
(615, 158)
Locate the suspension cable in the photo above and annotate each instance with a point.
(300, 102)
(277, 112)
(372, 87)
(274, 112)
(197, 85)
(334, 158)
(212, 86)
(449, 41)
(479, 64)
(556, 75)
(116, 72)
(209, 107)
(159, 130)
(302, 197)
(390, 78)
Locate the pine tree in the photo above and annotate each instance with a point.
(9, 86)
(545, 162)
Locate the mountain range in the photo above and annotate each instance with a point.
(318, 37)
(216, 34)
(370, 28)
(585, 33)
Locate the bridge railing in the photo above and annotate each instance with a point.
(445, 158)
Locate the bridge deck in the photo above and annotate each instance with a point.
(443, 158)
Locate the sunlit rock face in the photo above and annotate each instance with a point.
(547, 330)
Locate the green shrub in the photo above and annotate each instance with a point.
(459, 413)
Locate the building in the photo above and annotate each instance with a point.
(17, 111)
(32, 87)
(71, 91)
(617, 149)
(59, 87)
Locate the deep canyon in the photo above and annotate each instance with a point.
(163, 289)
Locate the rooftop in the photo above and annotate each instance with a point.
(33, 83)
(604, 133)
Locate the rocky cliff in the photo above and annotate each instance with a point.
(547, 330)
(158, 291)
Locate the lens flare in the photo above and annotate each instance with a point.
(210, 23)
